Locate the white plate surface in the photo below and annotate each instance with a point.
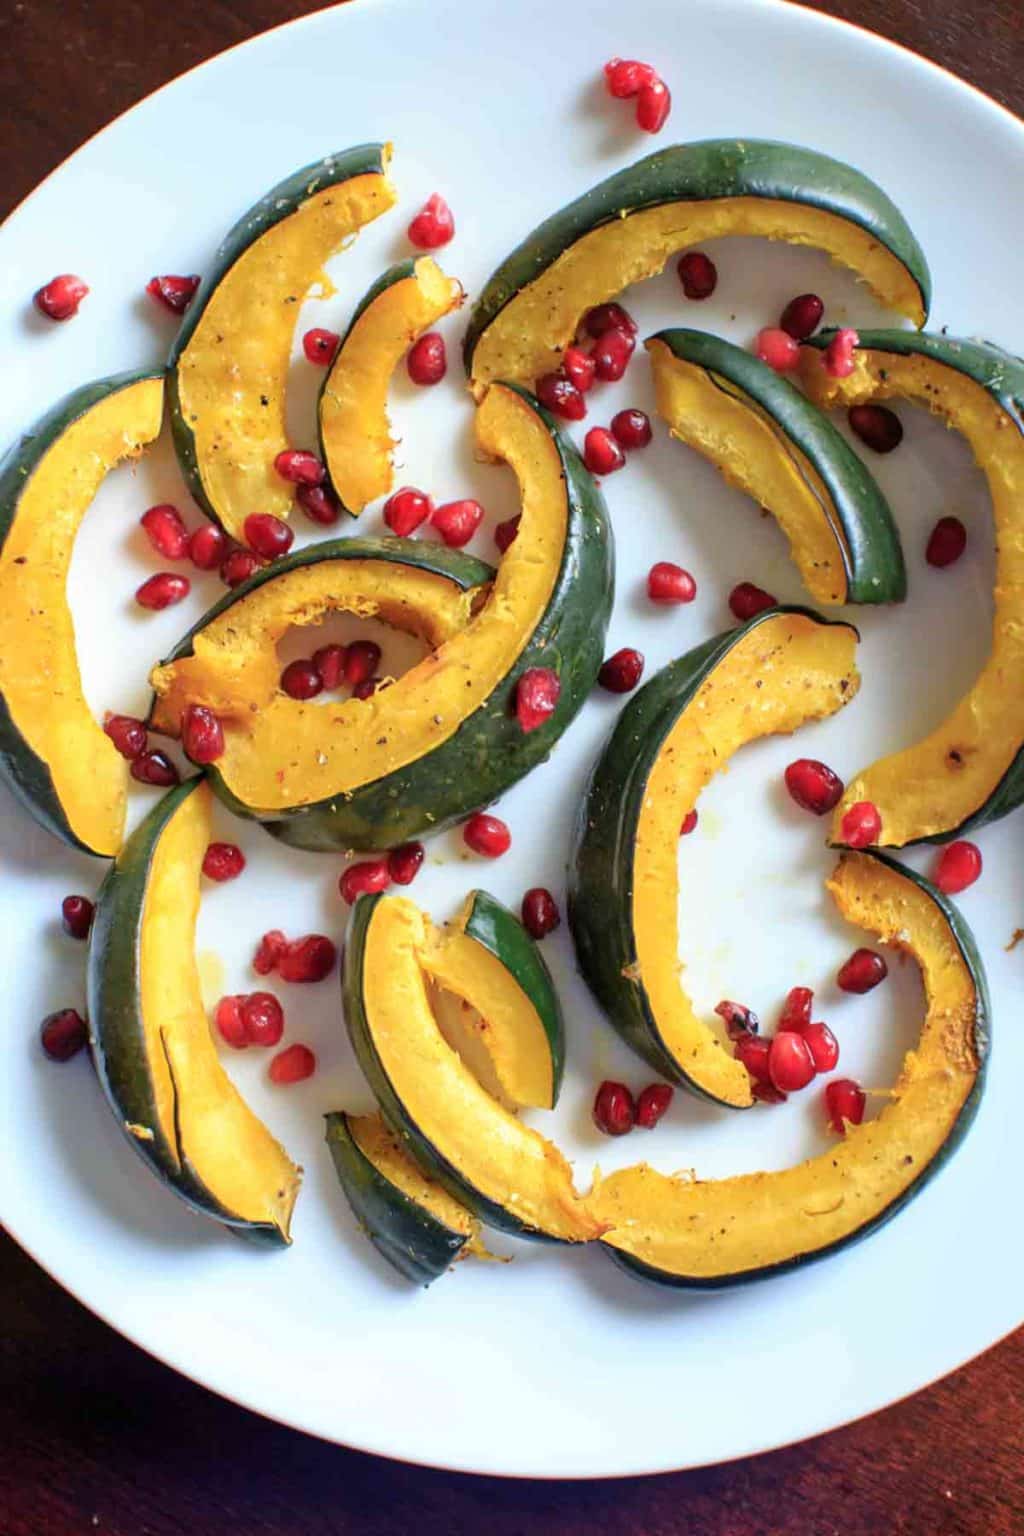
(555, 1364)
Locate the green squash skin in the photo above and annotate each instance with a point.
(279, 203)
(710, 169)
(858, 513)
(501, 933)
(600, 893)
(23, 771)
(965, 942)
(115, 1024)
(406, 1234)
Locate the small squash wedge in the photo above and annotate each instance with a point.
(767, 439)
(970, 770)
(229, 364)
(698, 1234)
(769, 676)
(355, 437)
(154, 1054)
(53, 754)
(627, 227)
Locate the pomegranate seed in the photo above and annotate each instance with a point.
(861, 825)
(298, 467)
(292, 1065)
(537, 694)
(238, 566)
(505, 533)
(823, 1046)
(174, 293)
(631, 428)
(329, 662)
(268, 952)
(746, 601)
(813, 785)
(155, 768)
(561, 396)
(76, 914)
(946, 542)
(652, 1104)
(578, 367)
(201, 734)
(433, 225)
(310, 958)
(957, 867)
(457, 521)
(406, 509)
(267, 535)
(614, 1112)
(844, 1103)
(688, 824)
(796, 1010)
(227, 1017)
(166, 531)
(207, 547)
(223, 861)
(608, 317)
(362, 659)
(877, 427)
(63, 1034)
(668, 583)
(862, 972)
(767, 1093)
(777, 348)
(740, 1021)
(60, 297)
(839, 353)
(301, 680)
(601, 453)
(127, 734)
(487, 835)
(427, 362)
(612, 353)
(320, 345)
(263, 1018)
(752, 1051)
(540, 912)
(404, 863)
(698, 275)
(621, 672)
(790, 1062)
(653, 105)
(802, 316)
(319, 504)
(367, 878)
(162, 591)
(625, 77)
(367, 688)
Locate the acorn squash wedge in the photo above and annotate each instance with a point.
(230, 360)
(768, 440)
(352, 415)
(970, 770)
(699, 1234)
(151, 1040)
(626, 228)
(783, 668)
(53, 754)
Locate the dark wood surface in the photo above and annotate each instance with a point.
(94, 1435)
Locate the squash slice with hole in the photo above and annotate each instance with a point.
(355, 436)
(768, 440)
(783, 668)
(230, 362)
(151, 1040)
(626, 228)
(53, 754)
(970, 770)
(699, 1234)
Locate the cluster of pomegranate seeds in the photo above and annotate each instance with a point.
(162, 591)
(156, 769)
(268, 952)
(813, 785)
(365, 879)
(957, 867)
(207, 547)
(537, 693)
(268, 535)
(330, 667)
(457, 521)
(698, 275)
(76, 914)
(299, 467)
(238, 565)
(631, 428)
(877, 427)
(505, 533)
(404, 863)
(202, 736)
(174, 293)
(63, 1034)
(292, 1065)
(601, 453)
(487, 835)
(166, 531)
(319, 504)
(60, 297)
(308, 959)
(669, 584)
(614, 1110)
(427, 359)
(787, 1061)
(946, 542)
(254, 1018)
(746, 601)
(777, 348)
(861, 825)
(862, 972)
(688, 824)
(301, 680)
(320, 345)
(844, 1103)
(628, 79)
(540, 912)
(558, 394)
(223, 861)
(579, 368)
(621, 672)
(127, 734)
(839, 353)
(406, 509)
(433, 226)
(802, 316)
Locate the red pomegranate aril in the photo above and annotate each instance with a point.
(796, 1010)
(625, 77)
(292, 1065)
(698, 275)
(63, 1034)
(238, 565)
(433, 225)
(752, 1051)
(155, 768)
(653, 105)
(223, 861)
(487, 835)
(299, 467)
(301, 680)
(166, 531)
(263, 1018)
(946, 542)
(578, 367)
(365, 879)
(162, 591)
(688, 824)
(227, 1018)
(427, 359)
(802, 316)
(608, 317)
(790, 1061)
(601, 453)
(537, 694)
(308, 959)
(668, 584)
(320, 345)
(862, 972)
(268, 535)
(60, 297)
(614, 1111)
(839, 353)
(861, 825)
(767, 1093)
(957, 867)
(739, 1020)
(621, 672)
(540, 912)
(561, 396)
(612, 353)
(406, 510)
(631, 428)
(329, 662)
(127, 734)
(174, 293)
(202, 736)
(651, 1104)
(505, 533)
(319, 504)
(746, 601)
(813, 785)
(777, 348)
(367, 688)
(457, 521)
(877, 427)
(362, 658)
(76, 913)
(207, 547)
(823, 1046)
(404, 863)
(269, 951)
(844, 1103)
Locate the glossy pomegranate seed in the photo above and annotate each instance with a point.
(174, 293)
(537, 694)
(608, 317)
(740, 1021)
(155, 768)
(63, 1034)
(862, 972)
(201, 734)
(767, 1093)
(362, 659)
(76, 913)
(813, 785)
(487, 835)
(268, 535)
(319, 504)
(844, 1103)
(505, 533)
(778, 349)
(457, 521)
(367, 688)
(238, 565)
(223, 861)
(166, 531)
(207, 547)
(752, 1051)
(877, 427)
(946, 542)
(433, 225)
(162, 590)
(631, 428)
(127, 734)
(60, 297)
(268, 952)
(320, 345)
(406, 509)
(292, 1065)
(668, 583)
(614, 1111)
(790, 1062)
(621, 672)
(301, 680)
(957, 867)
(227, 1018)
(578, 367)
(652, 1104)
(612, 353)
(329, 662)
(688, 824)
(601, 453)
(367, 878)
(698, 275)
(298, 467)
(561, 397)
(404, 863)
(796, 1010)
(861, 825)
(540, 912)
(839, 353)
(263, 1018)
(802, 316)
(746, 601)
(427, 360)
(625, 77)
(308, 959)
(653, 105)
(823, 1046)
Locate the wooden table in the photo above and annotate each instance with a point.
(95, 1436)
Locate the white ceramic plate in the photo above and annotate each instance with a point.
(556, 1364)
